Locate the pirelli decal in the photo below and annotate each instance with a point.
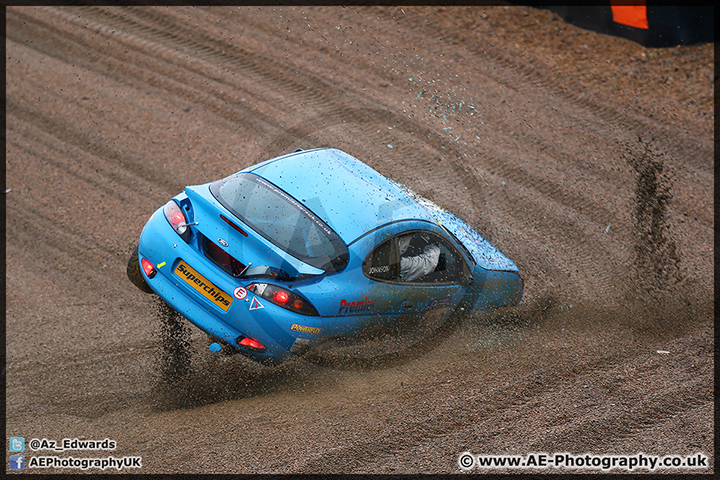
(202, 285)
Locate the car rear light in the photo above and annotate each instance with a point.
(283, 298)
(250, 344)
(229, 222)
(177, 220)
(148, 268)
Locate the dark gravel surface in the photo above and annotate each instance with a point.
(586, 158)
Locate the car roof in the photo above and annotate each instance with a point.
(351, 197)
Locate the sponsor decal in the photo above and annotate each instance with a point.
(203, 285)
(240, 293)
(305, 329)
(291, 200)
(380, 269)
(299, 345)
(255, 304)
(439, 303)
(361, 306)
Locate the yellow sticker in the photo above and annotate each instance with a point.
(305, 328)
(202, 285)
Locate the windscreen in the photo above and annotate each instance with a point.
(282, 220)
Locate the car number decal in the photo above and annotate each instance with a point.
(203, 285)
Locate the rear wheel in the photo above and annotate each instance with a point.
(134, 273)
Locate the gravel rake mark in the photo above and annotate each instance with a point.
(656, 257)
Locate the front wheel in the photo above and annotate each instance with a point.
(134, 273)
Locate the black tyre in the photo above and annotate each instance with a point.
(135, 275)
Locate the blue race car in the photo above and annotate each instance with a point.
(315, 248)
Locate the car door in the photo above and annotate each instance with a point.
(497, 280)
(416, 305)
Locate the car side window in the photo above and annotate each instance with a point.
(418, 257)
(383, 263)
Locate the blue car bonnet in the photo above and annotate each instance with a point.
(349, 196)
(482, 251)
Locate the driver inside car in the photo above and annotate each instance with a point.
(413, 264)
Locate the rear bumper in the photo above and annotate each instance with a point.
(202, 303)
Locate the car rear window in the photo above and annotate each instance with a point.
(282, 220)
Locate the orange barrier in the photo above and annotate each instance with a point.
(630, 15)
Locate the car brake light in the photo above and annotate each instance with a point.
(280, 297)
(251, 344)
(148, 268)
(229, 222)
(177, 220)
(283, 298)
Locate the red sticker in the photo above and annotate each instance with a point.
(240, 293)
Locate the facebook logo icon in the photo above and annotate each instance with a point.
(17, 462)
(17, 444)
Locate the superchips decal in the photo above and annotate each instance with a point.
(203, 285)
(360, 306)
